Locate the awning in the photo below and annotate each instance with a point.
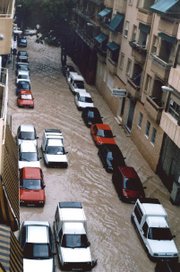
(11, 256)
(117, 22)
(166, 37)
(101, 38)
(144, 28)
(113, 46)
(163, 6)
(104, 12)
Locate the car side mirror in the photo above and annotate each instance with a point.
(93, 263)
(144, 187)
(114, 136)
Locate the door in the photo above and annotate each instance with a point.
(130, 115)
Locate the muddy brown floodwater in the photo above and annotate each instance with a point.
(113, 239)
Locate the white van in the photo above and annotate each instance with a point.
(76, 82)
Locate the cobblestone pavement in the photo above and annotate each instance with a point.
(113, 239)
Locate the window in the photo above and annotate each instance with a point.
(128, 69)
(134, 32)
(154, 44)
(126, 28)
(148, 84)
(148, 125)
(140, 119)
(153, 136)
(138, 213)
(174, 109)
(145, 229)
(121, 61)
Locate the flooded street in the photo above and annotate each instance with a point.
(113, 239)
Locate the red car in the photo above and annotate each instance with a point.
(102, 134)
(127, 184)
(32, 186)
(25, 99)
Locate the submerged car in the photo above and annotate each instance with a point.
(102, 134)
(28, 155)
(22, 85)
(83, 99)
(36, 240)
(22, 41)
(110, 156)
(127, 184)
(25, 99)
(26, 132)
(91, 115)
(32, 192)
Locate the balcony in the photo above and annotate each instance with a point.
(112, 66)
(83, 34)
(153, 108)
(144, 16)
(138, 51)
(6, 23)
(174, 78)
(170, 126)
(169, 27)
(160, 67)
(133, 88)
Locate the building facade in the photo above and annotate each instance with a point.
(135, 45)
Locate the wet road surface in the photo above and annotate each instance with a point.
(113, 239)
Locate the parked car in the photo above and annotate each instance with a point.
(23, 76)
(22, 41)
(76, 82)
(91, 115)
(25, 99)
(36, 240)
(26, 132)
(22, 55)
(110, 155)
(28, 155)
(69, 68)
(22, 67)
(53, 150)
(127, 184)
(102, 134)
(83, 99)
(150, 221)
(32, 192)
(167, 267)
(22, 85)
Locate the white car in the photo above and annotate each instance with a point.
(38, 249)
(53, 151)
(28, 155)
(83, 99)
(76, 82)
(23, 76)
(26, 132)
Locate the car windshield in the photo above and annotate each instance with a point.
(37, 251)
(79, 84)
(26, 96)
(91, 114)
(160, 234)
(27, 135)
(88, 100)
(131, 184)
(104, 133)
(55, 150)
(23, 77)
(110, 156)
(31, 184)
(28, 156)
(24, 85)
(75, 240)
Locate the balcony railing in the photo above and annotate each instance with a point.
(85, 37)
(170, 27)
(160, 67)
(153, 108)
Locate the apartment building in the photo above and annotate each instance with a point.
(135, 48)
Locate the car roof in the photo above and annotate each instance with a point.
(37, 234)
(27, 127)
(157, 221)
(103, 126)
(76, 76)
(75, 227)
(22, 72)
(31, 172)
(55, 142)
(128, 172)
(83, 92)
(27, 146)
